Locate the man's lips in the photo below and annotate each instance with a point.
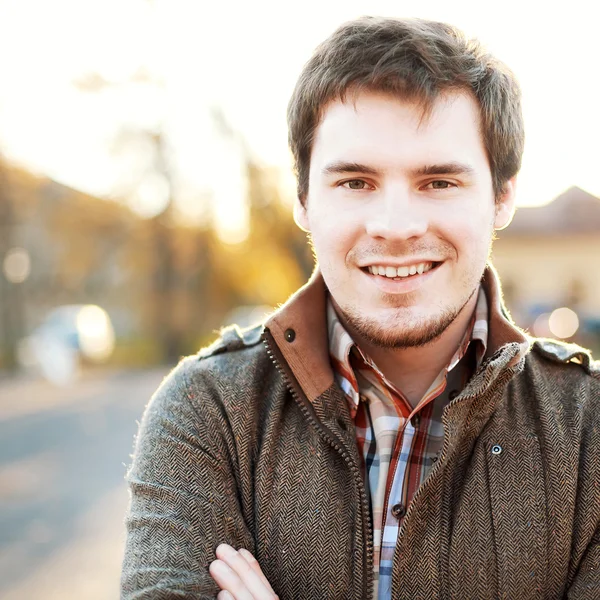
(394, 284)
(395, 271)
(390, 262)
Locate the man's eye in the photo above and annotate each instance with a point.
(355, 184)
(440, 185)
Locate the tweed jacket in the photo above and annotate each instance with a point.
(250, 442)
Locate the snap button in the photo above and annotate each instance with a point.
(342, 424)
(415, 421)
(398, 511)
(290, 335)
(434, 458)
(496, 449)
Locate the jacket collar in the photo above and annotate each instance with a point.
(299, 328)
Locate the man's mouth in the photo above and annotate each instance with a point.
(403, 272)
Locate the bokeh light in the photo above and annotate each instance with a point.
(17, 265)
(563, 323)
(541, 327)
(96, 335)
(152, 196)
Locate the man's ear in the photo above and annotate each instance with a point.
(300, 214)
(505, 206)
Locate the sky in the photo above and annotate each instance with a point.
(244, 58)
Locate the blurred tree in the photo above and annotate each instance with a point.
(275, 258)
(173, 293)
(194, 279)
(168, 282)
(88, 235)
(11, 306)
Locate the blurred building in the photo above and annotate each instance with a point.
(548, 259)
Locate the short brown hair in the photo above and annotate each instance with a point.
(416, 60)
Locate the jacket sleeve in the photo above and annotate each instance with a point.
(586, 585)
(183, 493)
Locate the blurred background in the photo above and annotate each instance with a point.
(145, 201)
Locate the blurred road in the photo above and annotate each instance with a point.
(63, 455)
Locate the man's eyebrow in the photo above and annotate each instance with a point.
(341, 167)
(450, 168)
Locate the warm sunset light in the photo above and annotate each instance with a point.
(172, 340)
(54, 122)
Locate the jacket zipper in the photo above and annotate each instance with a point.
(326, 434)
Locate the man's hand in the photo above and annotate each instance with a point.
(239, 576)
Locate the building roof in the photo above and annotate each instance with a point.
(575, 211)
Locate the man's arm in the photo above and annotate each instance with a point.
(586, 585)
(586, 548)
(184, 499)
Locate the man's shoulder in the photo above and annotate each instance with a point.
(233, 339)
(570, 359)
(236, 360)
(566, 377)
(232, 356)
(230, 372)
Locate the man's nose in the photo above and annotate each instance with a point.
(397, 215)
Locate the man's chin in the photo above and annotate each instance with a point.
(397, 329)
(410, 336)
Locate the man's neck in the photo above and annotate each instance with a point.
(413, 370)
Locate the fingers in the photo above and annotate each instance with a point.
(256, 568)
(239, 574)
(229, 582)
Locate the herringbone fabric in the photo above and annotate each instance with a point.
(233, 448)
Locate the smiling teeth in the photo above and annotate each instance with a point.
(393, 272)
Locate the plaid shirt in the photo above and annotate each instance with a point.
(399, 444)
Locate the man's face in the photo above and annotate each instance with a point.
(401, 213)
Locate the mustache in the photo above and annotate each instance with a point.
(399, 251)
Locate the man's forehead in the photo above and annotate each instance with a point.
(379, 128)
(422, 111)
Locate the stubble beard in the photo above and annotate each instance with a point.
(398, 333)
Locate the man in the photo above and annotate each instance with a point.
(387, 433)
